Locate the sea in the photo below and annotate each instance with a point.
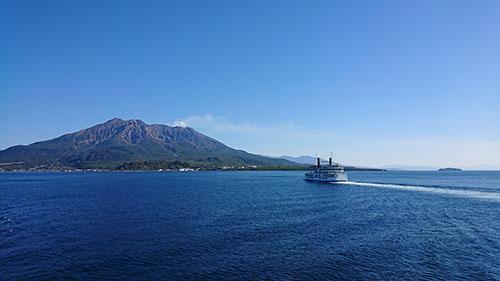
(249, 225)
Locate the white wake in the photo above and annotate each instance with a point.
(454, 192)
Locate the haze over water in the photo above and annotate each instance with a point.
(249, 225)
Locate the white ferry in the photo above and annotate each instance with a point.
(327, 173)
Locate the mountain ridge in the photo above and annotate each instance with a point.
(116, 141)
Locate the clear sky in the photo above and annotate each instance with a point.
(374, 82)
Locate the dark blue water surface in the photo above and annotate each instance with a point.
(249, 225)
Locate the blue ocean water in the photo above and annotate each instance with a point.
(249, 225)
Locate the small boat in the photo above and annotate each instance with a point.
(326, 173)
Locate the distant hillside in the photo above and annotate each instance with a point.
(112, 144)
(304, 159)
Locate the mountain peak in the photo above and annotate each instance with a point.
(119, 121)
(135, 131)
(114, 120)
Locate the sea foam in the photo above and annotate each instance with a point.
(494, 196)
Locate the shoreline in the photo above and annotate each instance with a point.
(177, 170)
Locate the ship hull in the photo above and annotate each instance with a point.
(325, 180)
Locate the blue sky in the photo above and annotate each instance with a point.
(374, 82)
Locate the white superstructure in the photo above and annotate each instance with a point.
(326, 173)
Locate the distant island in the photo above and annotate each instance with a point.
(120, 145)
(449, 169)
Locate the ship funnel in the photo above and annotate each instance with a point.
(317, 162)
(330, 161)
